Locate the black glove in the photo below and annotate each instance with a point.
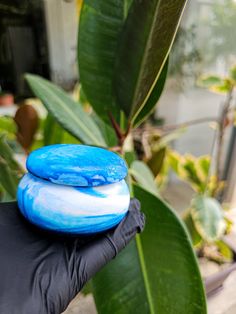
(41, 272)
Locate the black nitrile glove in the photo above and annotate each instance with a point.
(41, 272)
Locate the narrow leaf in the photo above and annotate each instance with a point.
(147, 37)
(67, 112)
(158, 273)
(99, 30)
(144, 176)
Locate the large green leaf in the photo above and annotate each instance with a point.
(143, 175)
(156, 274)
(153, 98)
(100, 26)
(208, 217)
(68, 113)
(147, 37)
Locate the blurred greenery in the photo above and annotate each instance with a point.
(219, 84)
(185, 56)
(221, 42)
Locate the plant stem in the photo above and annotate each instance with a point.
(173, 127)
(122, 121)
(211, 164)
(116, 127)
(221, 133)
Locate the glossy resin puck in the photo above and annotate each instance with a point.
(76, 165)
(74, 210)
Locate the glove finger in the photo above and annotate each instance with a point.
(136, 215)
(142, 220)
(134, 205)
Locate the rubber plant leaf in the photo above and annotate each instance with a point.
(68, 113)
(158, 273)
(100, 26)
(146, 40)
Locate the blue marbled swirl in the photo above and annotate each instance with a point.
(74, 210)
(76, 165)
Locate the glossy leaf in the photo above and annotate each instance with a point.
(68, 113)
(153, 98)
(146, 40)
(99, 30)
(208, 217)
(53, 133)
(158, 273)
(143, 175)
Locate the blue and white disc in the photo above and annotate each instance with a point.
(77, 165)
(74, 210)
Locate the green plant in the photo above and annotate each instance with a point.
(10, 171)
(185, 56)
(219, 24)
(123, 50)
(224, 85)
(205, 217)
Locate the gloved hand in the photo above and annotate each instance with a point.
(41, 272)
